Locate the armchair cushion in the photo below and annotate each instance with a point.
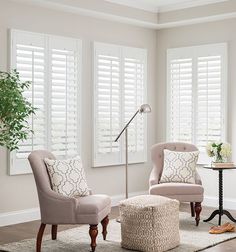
(93, 208)
(67, 177)
(176, 189)
(92, 204)
(179, 167)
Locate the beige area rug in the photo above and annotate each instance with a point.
(77, 239)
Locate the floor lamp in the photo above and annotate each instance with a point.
(145, 108)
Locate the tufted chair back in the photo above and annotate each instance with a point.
(36, 159)
(157, 155)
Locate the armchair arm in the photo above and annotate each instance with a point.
(154, 177)
(52, 195)
(198, 179)
(56, 208)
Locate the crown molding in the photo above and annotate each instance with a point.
(87, 12)
(189, 4)
(200, 20)
(133, 4)
(166, 8)
(121, 19)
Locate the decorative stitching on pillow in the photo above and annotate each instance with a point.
(67, 177)
(179, 167)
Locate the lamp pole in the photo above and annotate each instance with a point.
(145, 108)
(126, 163)
(126, 151)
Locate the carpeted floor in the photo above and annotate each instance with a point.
(77, 239)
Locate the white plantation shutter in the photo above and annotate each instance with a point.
(64, 110)
(28, 57)
(181, 100)
(210, 104)
(52, 65)
(197, 86)
(107, 104)
(134, 95)
(120, 88)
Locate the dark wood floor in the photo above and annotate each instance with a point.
(28, 230)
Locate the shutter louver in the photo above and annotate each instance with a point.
(134, 62)
(64, 97)
(209, 101)
(181, 100)
(30, 61)
(107, 105)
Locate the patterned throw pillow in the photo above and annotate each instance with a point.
(67, 177)
(179, 167)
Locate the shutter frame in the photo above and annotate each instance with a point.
(21, 166)
(197, 52)
(29, 39)
(60, 48)
(109, 51)
(121, 52)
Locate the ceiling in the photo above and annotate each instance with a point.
(163, 5)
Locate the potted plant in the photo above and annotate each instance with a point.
(15, 110)
(219, 151)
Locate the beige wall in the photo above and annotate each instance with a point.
(18, 192)
(223, 31)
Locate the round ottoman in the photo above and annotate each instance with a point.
(149, 223)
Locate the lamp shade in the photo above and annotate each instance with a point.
(145, 108)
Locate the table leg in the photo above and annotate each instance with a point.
(220, 195)
(212, 215)
(228, 214)
(220, 211)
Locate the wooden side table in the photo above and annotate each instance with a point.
(220, 211)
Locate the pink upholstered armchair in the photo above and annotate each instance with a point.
(57, 209)
(183, 192)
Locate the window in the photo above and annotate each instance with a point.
(52, 64)
(120, 88)
(197, 80)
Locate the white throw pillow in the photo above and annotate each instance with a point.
(179, 167)
(67, 177)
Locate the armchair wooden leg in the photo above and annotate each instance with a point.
(104, 222)
(198, 209)
(192, 209)
(54, 232)
(93, 232)
(40, 237)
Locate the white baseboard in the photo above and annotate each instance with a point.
(17, 217)
(32, 214)
(210, 201)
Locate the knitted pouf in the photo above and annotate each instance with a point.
(149, 223)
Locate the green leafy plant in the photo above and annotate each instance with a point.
(14, 110)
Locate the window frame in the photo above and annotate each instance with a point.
(121, 155)
(24, 168)
(194, 52)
